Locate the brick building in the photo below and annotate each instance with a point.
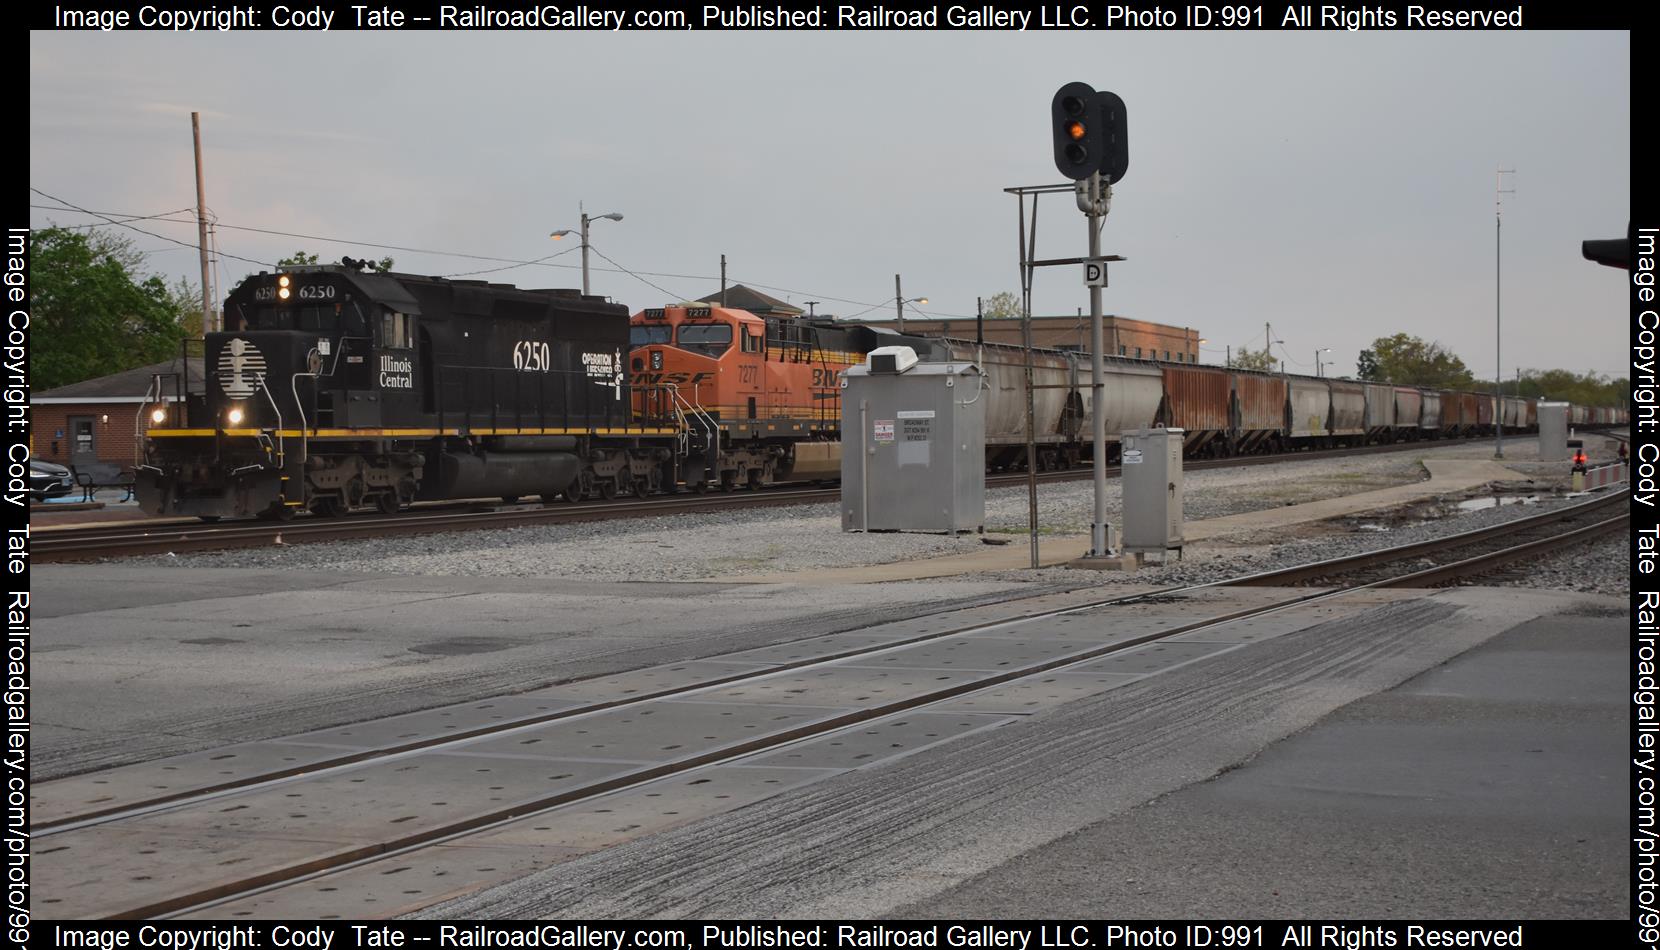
(1136, 339)
(96, 420)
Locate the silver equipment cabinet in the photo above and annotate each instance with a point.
(1152, 485)
(1553, 431)
(913, 444)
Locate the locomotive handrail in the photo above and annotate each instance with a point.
(299, 407)
(281, 458)
(138, 418)
(711, 427)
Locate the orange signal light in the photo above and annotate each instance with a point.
(1075, 129)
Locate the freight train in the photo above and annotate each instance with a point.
(333, 387)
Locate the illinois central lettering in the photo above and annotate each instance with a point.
(396, 373)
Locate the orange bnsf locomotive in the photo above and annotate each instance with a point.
(760, 395)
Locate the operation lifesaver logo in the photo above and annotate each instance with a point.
(241, 368)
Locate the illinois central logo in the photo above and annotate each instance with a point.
(241, 367)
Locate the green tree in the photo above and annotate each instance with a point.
(186, 297)
(1581, 389)
(1247, 358)
(1002, 305)
(1366, 365)
(1409, 361)
(93, 313)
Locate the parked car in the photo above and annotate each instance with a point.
(49, 480)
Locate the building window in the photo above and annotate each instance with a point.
(1122, 349)
(1167, 354)
(1138, 352)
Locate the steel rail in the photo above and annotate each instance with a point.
(1283, 577)
(489, 818)
(105, 541)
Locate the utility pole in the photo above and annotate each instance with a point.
(723, 280)
(208, 321)
(1499, 192)
(811, 304)
(899, 303)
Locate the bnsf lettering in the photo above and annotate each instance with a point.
(670, 379)
(824, 378)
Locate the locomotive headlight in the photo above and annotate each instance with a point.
(158, 415)
(234, 417)
(282, 281)
(282, 292)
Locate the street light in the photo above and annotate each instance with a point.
(583, 231)
(1317, 372)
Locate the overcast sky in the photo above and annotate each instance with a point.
(1338, 185)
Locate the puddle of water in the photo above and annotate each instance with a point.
(1433, 511)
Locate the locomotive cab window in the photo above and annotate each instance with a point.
(709, 339)
(648, 336)
(394, 330)
(751, 344)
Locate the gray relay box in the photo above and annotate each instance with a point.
(913, 445)
(1152, 483)
(1553, 431)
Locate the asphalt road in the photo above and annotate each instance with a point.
(133, 663)
(1339, 771)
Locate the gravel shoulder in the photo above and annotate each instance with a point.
(777, 542)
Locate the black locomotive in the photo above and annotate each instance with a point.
(333, 387)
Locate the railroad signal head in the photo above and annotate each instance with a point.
(1076, 131)
(1115, 138)
(1089, 132)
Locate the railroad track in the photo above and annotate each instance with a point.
(341, 806)
(162, 536)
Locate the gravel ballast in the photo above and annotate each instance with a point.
(804, 538)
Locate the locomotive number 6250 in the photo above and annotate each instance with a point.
(530, 356)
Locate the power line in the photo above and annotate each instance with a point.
(509, 262)
(130, 227)
(637, 277)
(495, 270)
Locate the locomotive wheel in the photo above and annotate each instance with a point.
(698, 487)
(387, 503)
(728, 480)
(328, 506)
(608, 488)
(754, 483)
(642, 488)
